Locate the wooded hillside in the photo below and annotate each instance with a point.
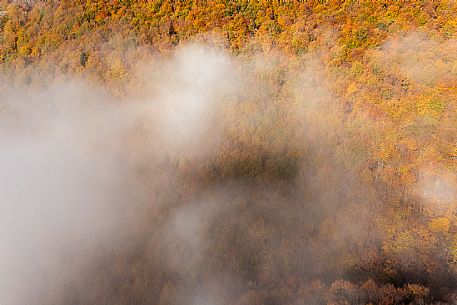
(334, 180)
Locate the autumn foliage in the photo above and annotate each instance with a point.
(385, 154)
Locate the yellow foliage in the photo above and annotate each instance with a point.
(454, 249)
(439, 225)
(398, 243)
(25, 50)
(351, 88)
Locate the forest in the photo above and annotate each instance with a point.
(228, 152)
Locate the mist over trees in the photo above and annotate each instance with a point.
(228, 152)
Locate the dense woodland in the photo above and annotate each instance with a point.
(352, 201)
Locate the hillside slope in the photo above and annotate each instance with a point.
(327, 173)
